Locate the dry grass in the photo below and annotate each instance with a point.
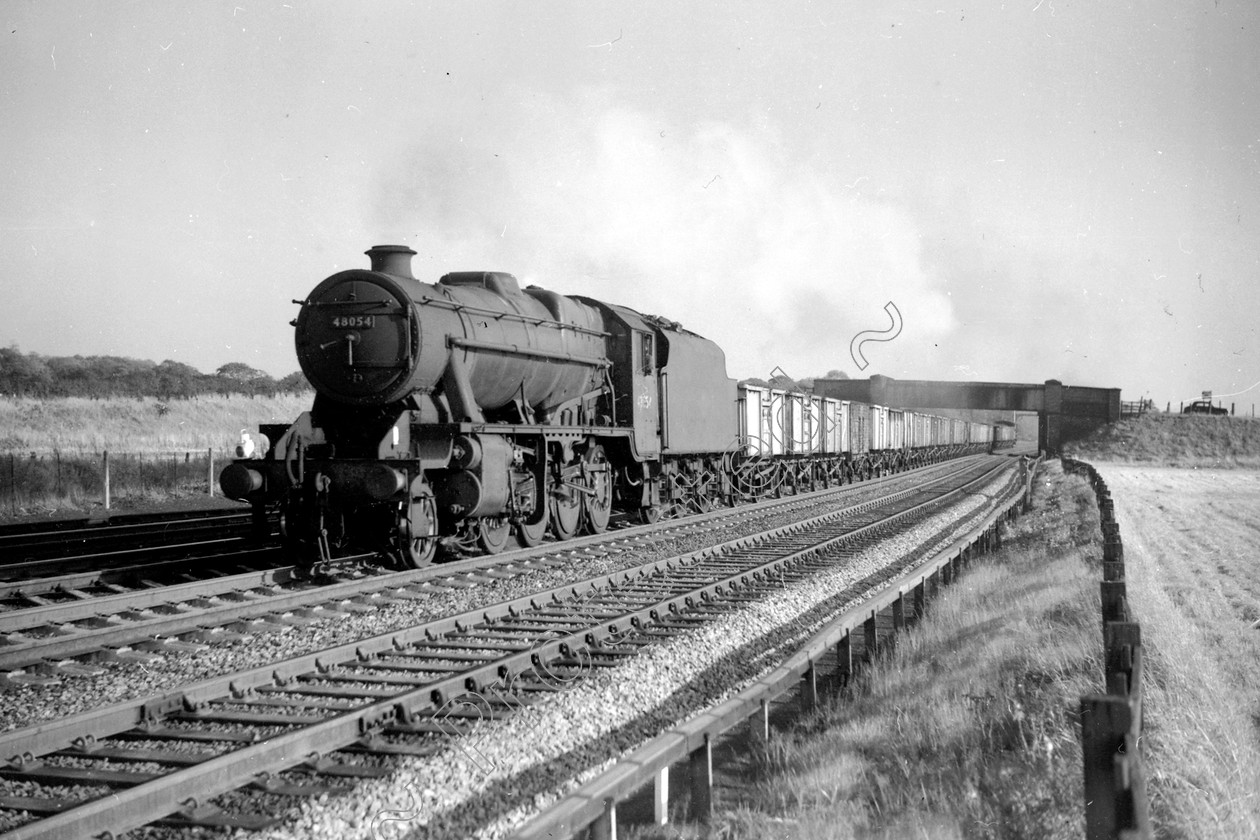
(51, 450)
(1191, 546)
(1174, 440)
(968, 729)
(81, 426)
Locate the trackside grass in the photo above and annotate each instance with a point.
(1174, 440)
(82, 426)
(968, 727)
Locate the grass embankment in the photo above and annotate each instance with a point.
(80, 426)
(1174, 440)
(51, 450)
(968, 727)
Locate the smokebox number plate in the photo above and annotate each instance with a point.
(354, 322)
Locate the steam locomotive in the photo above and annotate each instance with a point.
(470, 412)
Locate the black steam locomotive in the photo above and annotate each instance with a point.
(470, 411)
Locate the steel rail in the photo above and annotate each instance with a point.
(152, 800)
(14, 572)
(69, 641)
(15, 621)
(594, 804)
(90, 525)
(20, 549)
(119, 575)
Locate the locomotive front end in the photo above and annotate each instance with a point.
(358, 337)
(434, 414)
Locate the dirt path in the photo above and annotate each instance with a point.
(1192, 556)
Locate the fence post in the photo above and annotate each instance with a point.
(702, 782)
(605, 825)
(1104, 722)
(870, 637)
(660, 796)
(105, 458)
(809, 689)
(210, 472)
(844, 660)
(12, 484)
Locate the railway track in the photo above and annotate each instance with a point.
(682, 769)
(317, 720)
(32, 552)
(46, 633)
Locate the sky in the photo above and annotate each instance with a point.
(1041, 189)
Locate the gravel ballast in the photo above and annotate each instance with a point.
(509, 769)
(528, 760)
(123, 680)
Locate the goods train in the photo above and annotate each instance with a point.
(469, 412)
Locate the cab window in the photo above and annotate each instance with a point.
(647, 362)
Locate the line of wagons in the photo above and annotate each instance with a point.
(796, 438)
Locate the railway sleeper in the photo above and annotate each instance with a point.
(210, 816)
(170, 645)
(38, 805)
(306, 690)
(375, 745)
(283, 787)
(248, 718)
(100, 751)
(325, 766)
(71, 668)
(426, 653)
(41, 773)
(331, 705)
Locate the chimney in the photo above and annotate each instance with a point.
(391, 259)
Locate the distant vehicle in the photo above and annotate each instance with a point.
(1204, 407)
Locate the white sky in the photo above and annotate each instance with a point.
(1044, 189)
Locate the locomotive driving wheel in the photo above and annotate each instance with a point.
(650, 515)
(531, 527)
(417, 532)
(597, 504)
(493, 533)
(530, 534)
(564, 503)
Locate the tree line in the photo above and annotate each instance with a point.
(33, 375)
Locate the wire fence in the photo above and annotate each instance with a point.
(1133, 409)
(57, 478)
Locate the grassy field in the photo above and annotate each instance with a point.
(1174, 440)
(160, 452)
(968, 728)
(79, 426)
(1187, 492)
(1191, 542)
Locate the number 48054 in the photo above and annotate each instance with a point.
(351, 322)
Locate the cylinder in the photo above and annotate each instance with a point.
(382, 482)
(238, 481)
